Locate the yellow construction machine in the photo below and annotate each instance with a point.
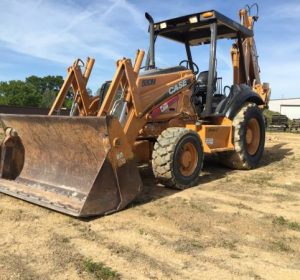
(85, 164)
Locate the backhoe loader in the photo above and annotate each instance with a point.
(85, 164)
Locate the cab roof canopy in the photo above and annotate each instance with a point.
(194, 29)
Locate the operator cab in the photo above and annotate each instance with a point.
(194, 30)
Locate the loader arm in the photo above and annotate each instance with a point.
(81, 166)
(77, 81)
(126, 78)
(135, 112)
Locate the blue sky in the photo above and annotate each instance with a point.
(44, 37)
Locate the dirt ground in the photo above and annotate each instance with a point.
(233, 225)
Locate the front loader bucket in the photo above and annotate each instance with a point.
(81, 166)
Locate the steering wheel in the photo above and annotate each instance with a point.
(187, 65)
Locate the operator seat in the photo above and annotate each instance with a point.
(202, 80)
(200, 91)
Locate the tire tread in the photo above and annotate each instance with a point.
(162, 157)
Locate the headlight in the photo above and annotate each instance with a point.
(163, 25)
(193, 19)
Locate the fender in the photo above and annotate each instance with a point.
(239, 95)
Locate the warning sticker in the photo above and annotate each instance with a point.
(164, 107)
(209, 141)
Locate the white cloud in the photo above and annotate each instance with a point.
(62, 31)
(285, 11)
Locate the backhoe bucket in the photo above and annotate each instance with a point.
(81, 166)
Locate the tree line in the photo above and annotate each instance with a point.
(33, 92)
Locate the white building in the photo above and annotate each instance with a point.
(289, 107)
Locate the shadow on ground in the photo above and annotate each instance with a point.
(212, 170)
(275, 153)
(152, 191)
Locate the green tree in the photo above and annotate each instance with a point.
(34, 92)
(19, 93)
(48, 83)
(48, 98)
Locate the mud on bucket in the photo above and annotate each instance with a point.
(81, 166)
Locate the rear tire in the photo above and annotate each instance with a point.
(249, 139)
(177, 158)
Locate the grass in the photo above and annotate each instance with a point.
(199, 206)
(229, 244)
(99, 270)
(142, 232)
(65, 239)
(243, 206)
(234, 256)
(255, 276)
(189, 246)
(292, 187)
(62, 247)
(259, 179)
(281, 221)
(280, 245)
(284, 197)
(150, 214)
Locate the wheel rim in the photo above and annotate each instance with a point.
(188, 159)
(252, 136)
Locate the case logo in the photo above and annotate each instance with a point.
(178, 86)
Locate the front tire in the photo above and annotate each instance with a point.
(249, 139)
(177, 158)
